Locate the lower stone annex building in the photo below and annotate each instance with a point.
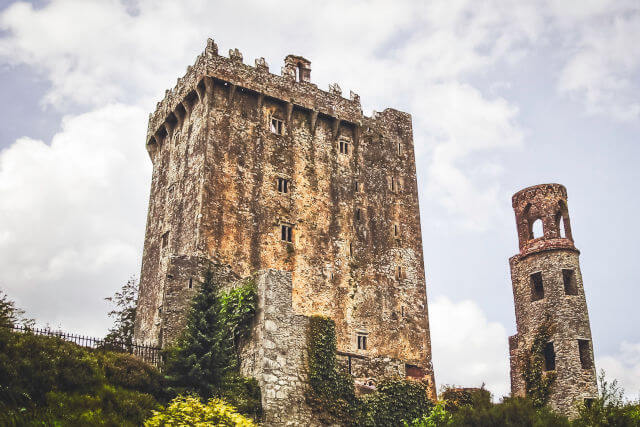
(258, 173)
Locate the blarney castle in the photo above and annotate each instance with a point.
(256, 173)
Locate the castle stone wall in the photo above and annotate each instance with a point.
(356, 249)
(559, 297)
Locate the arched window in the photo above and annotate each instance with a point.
(536, 229)
(562, 232)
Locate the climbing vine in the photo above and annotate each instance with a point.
(538, 384)
(332, 390)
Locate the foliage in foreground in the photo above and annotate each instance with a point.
(49, 381)
(609, 409)
(205, 359)
(189, 411)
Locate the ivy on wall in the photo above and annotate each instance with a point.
(538, 384)
(332, 394)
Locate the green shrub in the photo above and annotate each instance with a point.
(109, 406)
(189, 411)
(438, 417)
(128, 371)
(456, 397)
(512, 412)
(49, 381)
(609, 408)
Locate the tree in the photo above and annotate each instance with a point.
(124, 314)
(205, 359)
(10, 315)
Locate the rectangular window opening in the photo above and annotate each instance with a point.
(344, 146)
(358, 214)
(277, 126)
(357, 186)
(549, 357)
(286, 232)
(190, 282)
(569, 279)
(585, 354)
(283, 185)
(362, 342)
(400, 273)
(537, 288)
(165, 239)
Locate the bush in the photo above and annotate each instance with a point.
(455, 397)
(436, 418)
(128, 371)
(514, 412)
(609, 409)
(49, 381)
(185, 411)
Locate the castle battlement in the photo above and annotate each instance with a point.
(292, 87)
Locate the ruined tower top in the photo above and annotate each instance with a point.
(298, 67)
(546, 203)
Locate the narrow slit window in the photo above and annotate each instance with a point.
(283, 185)
(344, 146)
(362, 342)
(286, 232)
(165, 239)
(358, 214)
(585, 354)
(399, 149)
(357, 186)
(549, 357)
(400, 273)
(277, 126)
(569, 279)
(190, 282)
(395, 230)
(402, 312)
(350, 249)
(393, 184)
(537, 288)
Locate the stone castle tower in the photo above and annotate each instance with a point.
(547, 284)
(258, 172)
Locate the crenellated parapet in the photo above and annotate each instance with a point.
(292, 87)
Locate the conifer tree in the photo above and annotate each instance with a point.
(201, 358)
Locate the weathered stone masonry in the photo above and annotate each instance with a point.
(255, 171)
(547, 284)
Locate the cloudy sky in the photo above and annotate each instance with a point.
(504, 95)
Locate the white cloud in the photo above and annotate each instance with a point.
(468, 349)
(400, 54)
(604, 61)
(625, 367)
(459, 125)
(72, 216)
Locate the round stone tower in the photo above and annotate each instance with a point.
(548, 289)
